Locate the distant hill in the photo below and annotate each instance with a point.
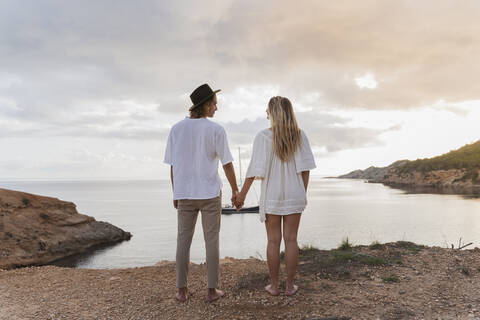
(457, 169)
(373, 173)
(467, 157)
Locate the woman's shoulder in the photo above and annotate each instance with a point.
(262, 137)
(303, 134)
(265, 133)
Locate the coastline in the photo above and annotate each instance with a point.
(466, 191)
(469, 191)
(36, 230)
(391, 281)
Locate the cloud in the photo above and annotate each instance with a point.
(56, 54)
(327, 133)
(415, 57)
(124, 70)
(105, 119)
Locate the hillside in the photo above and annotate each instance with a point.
(466, 158)
(457, 170)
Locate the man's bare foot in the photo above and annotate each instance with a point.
(181, 295)
(214, 294)
(291, 291)
(272, 291)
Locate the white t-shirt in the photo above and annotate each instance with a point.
(282, 190)
(193, 149)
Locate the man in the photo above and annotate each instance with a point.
(194, 147)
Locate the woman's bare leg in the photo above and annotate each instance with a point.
(290, 231)
(273, 225)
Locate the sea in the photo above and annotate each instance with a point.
(337, 209)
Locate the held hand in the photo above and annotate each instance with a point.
(234, 197)
(240, 201)
(175, 204)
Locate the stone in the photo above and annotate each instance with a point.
(36, 230)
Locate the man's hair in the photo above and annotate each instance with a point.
(200, 111)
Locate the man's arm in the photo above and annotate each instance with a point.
(305, 178)
(175, 202)
(230, 174)
(243, 193)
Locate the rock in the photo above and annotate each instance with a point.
(455, 172)
(35, 230)
(373, 174)
(442, 181)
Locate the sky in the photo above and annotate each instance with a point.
(90, 89)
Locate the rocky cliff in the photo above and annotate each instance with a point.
(457, 171)
(36, 230)
(457, 180)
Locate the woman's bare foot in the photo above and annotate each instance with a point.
(291, 291)
(272, 291)
(214, 294)
(181, 295)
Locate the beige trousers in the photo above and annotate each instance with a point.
(187, 217)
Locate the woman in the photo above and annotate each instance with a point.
(282, 158)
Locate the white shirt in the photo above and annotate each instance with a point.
(282, 190)
(194, 148)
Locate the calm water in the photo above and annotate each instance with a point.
(336, 209)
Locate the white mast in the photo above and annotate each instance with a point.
(240, 165)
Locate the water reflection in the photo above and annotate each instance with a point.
(465, 192)
(84, 258)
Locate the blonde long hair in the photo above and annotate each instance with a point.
(286, 133)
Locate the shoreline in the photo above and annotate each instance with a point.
(398, 280)
(471, 191)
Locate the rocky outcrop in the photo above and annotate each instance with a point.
(373, 173)
(449, 181)
(36, 230)
(457, 171)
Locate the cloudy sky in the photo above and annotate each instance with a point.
(89, 89)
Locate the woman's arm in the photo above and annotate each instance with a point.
(305, 178)
(241, 196)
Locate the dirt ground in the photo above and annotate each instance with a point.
(393, 281)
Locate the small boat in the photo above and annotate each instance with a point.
(233, 210)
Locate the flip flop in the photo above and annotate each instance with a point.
(218, 295)
(273, 292)
(291, 292)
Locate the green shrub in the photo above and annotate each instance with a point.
(345, 245)
(26, 202)
(466, 157)
(391, 278)
(375, 245)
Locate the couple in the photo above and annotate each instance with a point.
(281, 158)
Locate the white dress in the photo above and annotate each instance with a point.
(282, 190)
